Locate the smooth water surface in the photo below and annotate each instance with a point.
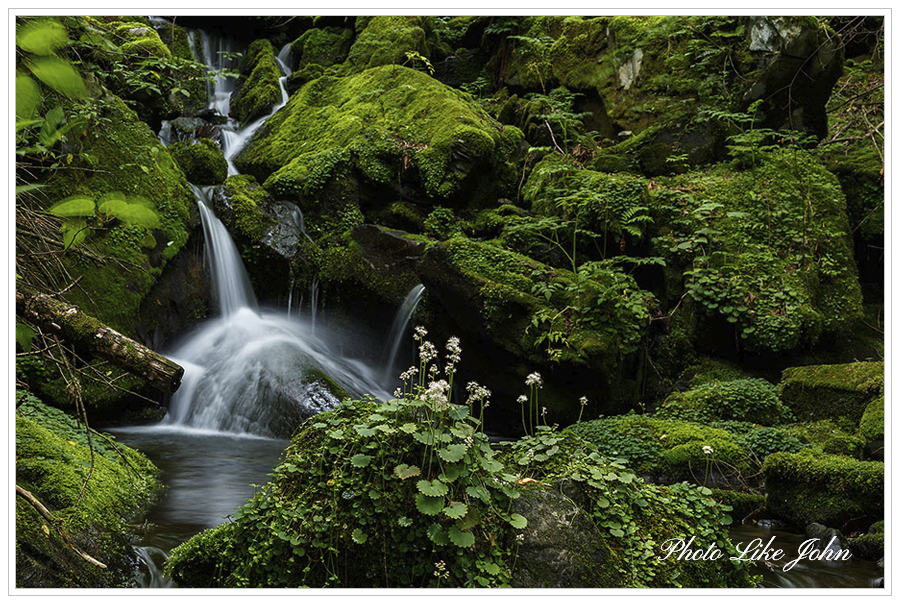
(807, 574)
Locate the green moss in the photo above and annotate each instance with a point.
(52, 462)
(385, 40)
(750, 400)
(387, 123)
(741, 504)
(827, 436)
(871, 426)
(246, 199)
(868, 547)
(121, 153)
(176, 39)
(839, 392)
(325, 46)
(809, 487)
(201, 160)
(258, 88)
(142, 41)
(773, 280)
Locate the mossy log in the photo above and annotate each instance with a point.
(87, 333)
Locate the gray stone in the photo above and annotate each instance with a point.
(561, 547)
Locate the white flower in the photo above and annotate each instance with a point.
(436, 394)
(398, 393)
(455, 350)
(477, 393)
(420, 332)
(543, 411)
(583, 401)
(707, 450)
(522, 399)
(409, 373)
(520, 538)
(427, 352)
(533, 379)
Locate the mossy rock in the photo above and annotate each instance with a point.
(242, 208)
(324, 46)
(768, 280)
(201, 160)
(832, 490)
(826, 435)
(750, 400)
(868, 547)
(53, 460)
(741, 504)
(387, 125)
(141, 40)
(871, 426)
(386, 40)
(123, 155)
(839, 392)
(258, 88)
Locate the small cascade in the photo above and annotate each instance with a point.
(290, 297)
(284, 59)
(314, 302)
(399, 328)
(150, 562)
(231, 283)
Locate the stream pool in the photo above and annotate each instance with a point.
(209, 475)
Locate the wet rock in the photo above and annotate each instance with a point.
(561, 547)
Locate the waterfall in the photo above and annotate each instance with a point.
(400, 326)
(231, 283)
(249, 371)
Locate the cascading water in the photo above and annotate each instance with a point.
(252, 372)
(400, 326)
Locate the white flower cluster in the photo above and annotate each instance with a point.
(708, 450)
(440, 570)
(477, 393)
(437, 394)
(534, 379)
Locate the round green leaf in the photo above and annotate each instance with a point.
(404, 471)
(430, 506)
(456, 509)
(360, 461)
(42, 37)
(518, 521)
(432, 488)
(452, 453)
(461, 538)
(59, 75)
(76, 205)
(359, 536)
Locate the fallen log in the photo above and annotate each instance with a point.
(85, 332)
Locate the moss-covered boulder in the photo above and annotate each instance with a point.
(93, 490)
(388, 40)
(838, 392)
(387, 127)
(121, 155)
(726, 454)
(590, 323)
(833, 490)
(749, 400)
(763, 253)
(201, 160)
(323, 46)
(258, 90)
(827, 436)
(464, 520)
(871, 427)
(869, 545)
